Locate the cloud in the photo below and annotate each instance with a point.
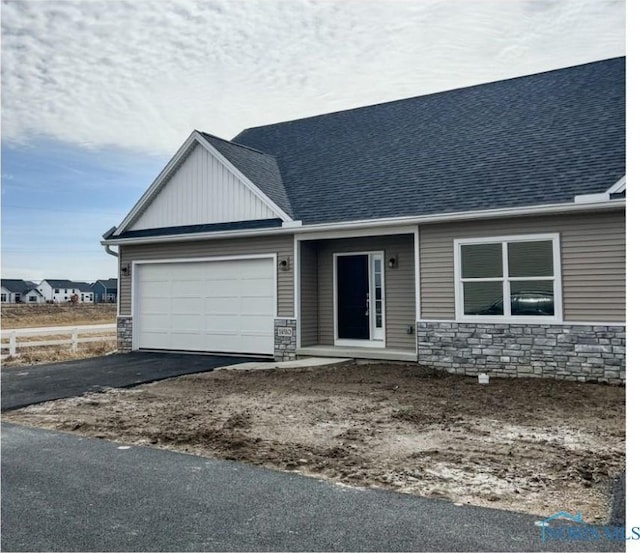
(142, 74)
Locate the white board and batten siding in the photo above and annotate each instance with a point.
(225, 305)
(202, 191)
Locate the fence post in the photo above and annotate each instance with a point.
(74, 340)
(13, 344)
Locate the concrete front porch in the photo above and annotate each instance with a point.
(358, 353)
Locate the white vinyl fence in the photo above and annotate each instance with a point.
(76, 335)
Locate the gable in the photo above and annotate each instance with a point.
(203, 189)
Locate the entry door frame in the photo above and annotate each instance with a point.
(377, 335)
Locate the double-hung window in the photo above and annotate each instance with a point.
(508, 278)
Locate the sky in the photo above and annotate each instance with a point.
(98, 95)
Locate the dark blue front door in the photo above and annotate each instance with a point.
(353, 289)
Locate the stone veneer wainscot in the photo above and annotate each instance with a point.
(571, 352)
(284, 336)
(124, 334)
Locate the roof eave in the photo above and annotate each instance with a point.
(547, 209)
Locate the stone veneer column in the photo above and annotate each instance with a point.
(124, 334)
(284, 337)
(571, 352)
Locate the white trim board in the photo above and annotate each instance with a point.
(563, 323)
(373, 227)
(619, 186)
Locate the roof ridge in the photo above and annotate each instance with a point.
(447, 91)
(236, 144)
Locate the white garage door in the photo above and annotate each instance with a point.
(225, 306)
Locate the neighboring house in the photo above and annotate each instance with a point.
(105, 291)
(32, 295)
(19, 291)
(84, 292)
(60, 291)
(475, 230)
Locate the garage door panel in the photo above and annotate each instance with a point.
(254, 306)
(221, 305)
(156, 289)
(157, 322)
(256, 325)
(156, 340)
(190, 289)
(222, 288)
(225, 306)
(186, 305)
(259, 343)
(157, 306)
(256, 287)
(221, 323)
(192, 342)
(186, 323)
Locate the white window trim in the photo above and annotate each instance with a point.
(514, 319)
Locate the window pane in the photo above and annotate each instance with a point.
(529, 259)
(481, 260)
(483, 298)
(532, 298)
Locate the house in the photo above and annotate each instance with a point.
(84, 291)
(105, 291)
(475, 230)
(32, 295)
(61, 290)
(19, 291)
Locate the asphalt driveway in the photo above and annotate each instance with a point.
(34, 384)
(61, 492)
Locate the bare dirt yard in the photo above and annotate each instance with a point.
(58, 314)
(531, 445)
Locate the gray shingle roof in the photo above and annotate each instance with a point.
(83, 286)
(16, 286)
(108, 285)
(531, 140)
(58, 283)
(260, 168)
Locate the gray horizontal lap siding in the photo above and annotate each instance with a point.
(592, 252)
(399, 287)
(282, 245)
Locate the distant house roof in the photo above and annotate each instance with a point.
(82, 286)
(69, 284)
(15, 286)
(109, 285)
(57, 283)
(533, 140)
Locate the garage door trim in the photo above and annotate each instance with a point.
(134, 282)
